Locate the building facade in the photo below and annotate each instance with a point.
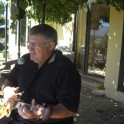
(100, 46)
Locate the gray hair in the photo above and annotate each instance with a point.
(49, 33)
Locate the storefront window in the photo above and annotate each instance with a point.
(97, 43)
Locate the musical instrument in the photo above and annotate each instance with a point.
(6, 107)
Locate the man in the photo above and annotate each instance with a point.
(48, 79)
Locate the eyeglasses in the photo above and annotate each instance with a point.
(35, 45)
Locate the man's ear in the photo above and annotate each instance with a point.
(51, 45)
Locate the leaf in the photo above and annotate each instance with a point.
(23, 4)
(59, 11)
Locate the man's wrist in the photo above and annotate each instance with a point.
(47, 113)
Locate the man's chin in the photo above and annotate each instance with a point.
(32, 58)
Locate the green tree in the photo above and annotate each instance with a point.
(118, 4)
(2, 9)
(58, 11)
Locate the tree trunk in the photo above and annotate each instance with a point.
(43, 11)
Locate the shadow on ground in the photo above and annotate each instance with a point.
(95, 109)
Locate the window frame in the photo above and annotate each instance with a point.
(87, 45)
(121, 70)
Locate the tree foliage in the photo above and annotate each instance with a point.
(58, 11)
(2, 18)
(118, 4)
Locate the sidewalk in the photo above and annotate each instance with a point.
(95, 109)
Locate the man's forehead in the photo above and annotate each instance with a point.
(36, 38)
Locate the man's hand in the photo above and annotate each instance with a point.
(36, 111)
(11, 94)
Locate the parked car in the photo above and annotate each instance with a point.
(67, 52)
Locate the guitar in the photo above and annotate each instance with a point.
(6, 107)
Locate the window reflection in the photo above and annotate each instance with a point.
(98, 39)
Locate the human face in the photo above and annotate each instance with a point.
(39, 49)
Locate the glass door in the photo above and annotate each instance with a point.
(97, 40)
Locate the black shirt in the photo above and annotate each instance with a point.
(57, 81)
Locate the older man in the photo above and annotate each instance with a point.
(50, 81)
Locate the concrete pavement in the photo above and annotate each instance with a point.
(95, 109)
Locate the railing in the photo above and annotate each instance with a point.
(5, 70)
